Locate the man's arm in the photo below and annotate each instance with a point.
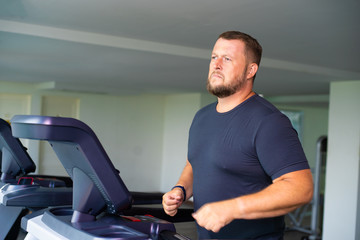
(287, 193)
(173, 199)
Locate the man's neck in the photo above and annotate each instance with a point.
(228, 103)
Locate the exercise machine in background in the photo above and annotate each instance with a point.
(315, 207)
(20, 191)
(100, 196)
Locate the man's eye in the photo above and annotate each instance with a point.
(213, 57)
(227, 59)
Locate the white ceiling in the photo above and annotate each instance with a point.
(164, 46)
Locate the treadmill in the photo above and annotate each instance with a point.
(20, 192)
(100, 197)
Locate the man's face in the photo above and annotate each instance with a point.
(227, 70)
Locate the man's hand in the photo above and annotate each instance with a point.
(172, 201)
(214, 216)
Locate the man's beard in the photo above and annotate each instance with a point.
(223, 91)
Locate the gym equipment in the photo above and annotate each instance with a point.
(18, 165)
(100, 196)
(15, 160)
(298, 215)
(20, 192)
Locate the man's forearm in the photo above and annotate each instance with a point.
(283, 196)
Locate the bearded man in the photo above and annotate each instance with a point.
(246, 167)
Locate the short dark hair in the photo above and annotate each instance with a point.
(253, 49)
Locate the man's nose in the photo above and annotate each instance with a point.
(218, 63)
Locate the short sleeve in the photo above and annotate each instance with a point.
(278, 147)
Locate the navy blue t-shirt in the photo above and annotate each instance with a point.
(240, 152)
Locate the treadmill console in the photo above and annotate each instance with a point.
(100, 196)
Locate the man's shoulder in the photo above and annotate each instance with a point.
(263, 104)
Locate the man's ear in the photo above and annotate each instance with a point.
(251, 70)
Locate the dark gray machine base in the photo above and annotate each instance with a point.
(9, 223)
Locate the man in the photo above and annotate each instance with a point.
(246, 168)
